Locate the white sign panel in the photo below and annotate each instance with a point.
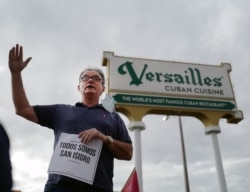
(74, 159)
(155, 77)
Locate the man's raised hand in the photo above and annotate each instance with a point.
(16, 63)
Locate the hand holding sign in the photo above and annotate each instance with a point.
(90, 134)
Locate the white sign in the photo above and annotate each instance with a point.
(74, 159)
(171, 78)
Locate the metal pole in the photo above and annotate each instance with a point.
(138, 157)
(184, 156)
(218, 162)
(137, 127)
(213, 131)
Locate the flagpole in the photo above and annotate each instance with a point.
(184, 156)
(183, 153)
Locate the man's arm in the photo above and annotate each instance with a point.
(120, 150)
(16, 65)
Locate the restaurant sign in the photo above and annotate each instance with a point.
(144, 82)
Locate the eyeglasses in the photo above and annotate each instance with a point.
(85, 78)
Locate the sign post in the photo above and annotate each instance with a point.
(137, 127)
(218, 162)
(142, 86)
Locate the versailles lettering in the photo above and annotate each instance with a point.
(135, 80)
(191, 76)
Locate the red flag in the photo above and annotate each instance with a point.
(132, 184)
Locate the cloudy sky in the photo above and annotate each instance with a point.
(63, 37)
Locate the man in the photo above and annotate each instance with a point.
(5, 164)
(87, 118)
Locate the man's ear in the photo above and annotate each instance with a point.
(103, 89)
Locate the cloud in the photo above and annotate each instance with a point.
(63, 37)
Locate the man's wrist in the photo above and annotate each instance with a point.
(109, 140)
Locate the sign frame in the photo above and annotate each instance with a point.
(146, 78)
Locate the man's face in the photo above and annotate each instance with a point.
(91, 84)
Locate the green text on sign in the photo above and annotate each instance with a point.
(174, 102)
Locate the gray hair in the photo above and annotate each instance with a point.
(98, 70)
